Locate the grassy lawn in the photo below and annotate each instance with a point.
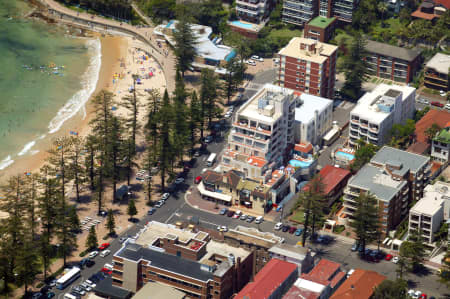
(285, 33)
(298, 217)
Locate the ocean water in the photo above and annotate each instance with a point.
(46, 77)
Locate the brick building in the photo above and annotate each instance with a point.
(308, 66)
(188, 261)
(391, 62)
(320, 28)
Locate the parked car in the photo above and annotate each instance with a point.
(292, 229)
(299, 231)
(37, 295)
(104, 253)
(423, 296)
(223, 211)
(197, 154)
(122, 239)
(259, 219)
(437, 104)
(388, 257)
(278, 226)
(151, 211)
(179, 181)
(324, 239)
(236, 216)
(228, 114)
(355, 246)
(243, 217)
(257, 58)
(395, 259)
(90, 263)
(447, 106)
(83, 262)
(106, 271)
(50, 295)
(250, 219)
(93, 254)
(209, 139)
(103, 246)
(230, 213)
(442, 93)
(165, 196)
(159, 203)
(198, 179)
(285, 228)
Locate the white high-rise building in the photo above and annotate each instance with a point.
(376, 112)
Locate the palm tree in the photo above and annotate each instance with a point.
(382, 8)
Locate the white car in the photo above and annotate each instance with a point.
(108, 266)
(104, 253)
(251, 62)
(442, 93)
(447, 106)
(228, 114)
(90, 283)
(259, 219)
(159, 204)
(278, 226)
(222, 228)
(395, 259)
(93, 254)
(165, 196)
(243, 217)
(257, 58)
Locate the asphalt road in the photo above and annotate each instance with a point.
(175, 209)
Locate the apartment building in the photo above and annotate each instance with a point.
(320, 28)
(440, 147)
(395, 178)
(376, 112)
(313, 118)
(299, 12)
(341, 9)
(188, 261)
(253, 11)
(253, 240)
(437, 72)
(391, 62)
(301, 256)
(431, 211)
(308, 66)
(261, 130)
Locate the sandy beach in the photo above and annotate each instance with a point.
(120, 59)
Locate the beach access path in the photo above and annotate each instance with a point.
(96, 23)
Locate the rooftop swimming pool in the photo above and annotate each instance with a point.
(301, 164)
(242, 25)
(344, 155)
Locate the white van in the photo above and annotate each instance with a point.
(259, 219)
(105, 253)
(211, 160)
(69, 296)
(278, 226)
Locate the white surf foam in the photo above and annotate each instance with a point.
(6, 162)
(26, 148)
(79, 99)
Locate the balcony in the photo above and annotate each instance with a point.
(351, 191)
(373, 129)
(355, 121)
(354, 134)
(373, 137)
(364, 124)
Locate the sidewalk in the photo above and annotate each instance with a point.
(195, 200)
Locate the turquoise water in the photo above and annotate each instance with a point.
(301, 164)
(345, 156)
(46, 77)
(243, 25)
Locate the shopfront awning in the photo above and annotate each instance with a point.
(216, 195)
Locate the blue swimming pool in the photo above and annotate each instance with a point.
(169, 24)
(345, 156)
(242, 25)
(298, 163)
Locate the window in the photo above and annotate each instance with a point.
(298, 67)
(298, 73)
(297, 79)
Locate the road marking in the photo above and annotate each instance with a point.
(176, 213)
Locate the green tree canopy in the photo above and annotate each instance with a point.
(390, 289)
(91, 241)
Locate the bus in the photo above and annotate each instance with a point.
(68, 278)
(211, 160)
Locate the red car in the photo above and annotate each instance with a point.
(437, 104)
(103, 246)
(292, 229)
(198, 180)
(423, 296)
(106, 271)
(388, 257)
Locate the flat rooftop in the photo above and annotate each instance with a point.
(292, 49)
(433, 198)
(251, 235)
(377, 182)
(321, 22)
(407, 160)
(310, 104)
(155, 230)
(440, 63)
(258, 107)
(369, 104)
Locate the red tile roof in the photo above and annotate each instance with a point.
(304, 148)
(322, 272)
(441, 118)
(445, 3)
(422, 15)
(420, 148)
(256, 161)
(331, 177)
(359, 285)
(296, 293)
(268, 279)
